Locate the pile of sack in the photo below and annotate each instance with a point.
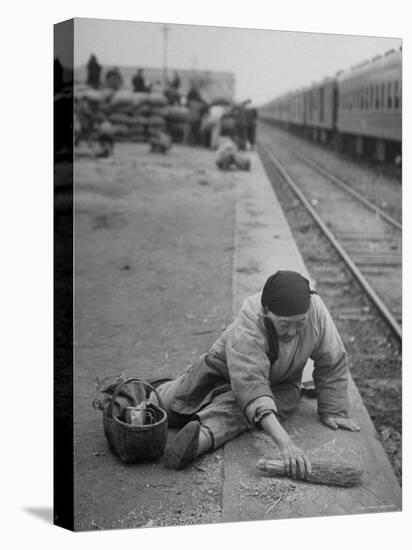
(134, 116)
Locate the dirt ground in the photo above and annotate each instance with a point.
(154, 242)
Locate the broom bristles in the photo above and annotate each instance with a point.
(339, 475)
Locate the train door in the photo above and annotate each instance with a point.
(335, 99)
(321, 105)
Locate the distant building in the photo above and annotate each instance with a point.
(211, 84)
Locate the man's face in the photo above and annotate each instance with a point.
(288, 327)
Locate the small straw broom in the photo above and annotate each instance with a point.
(338, 475)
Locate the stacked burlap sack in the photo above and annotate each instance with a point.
(135, 116)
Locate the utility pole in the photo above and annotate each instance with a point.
(193, 77)
(165, 30)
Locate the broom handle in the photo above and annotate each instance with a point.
(272, 466)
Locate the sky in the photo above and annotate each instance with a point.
(265, 63)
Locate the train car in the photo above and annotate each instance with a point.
(359, 110)
(297, 109)
(281, 111)
(320, 101)
(369, 115)
(276, 111)
(286, 111)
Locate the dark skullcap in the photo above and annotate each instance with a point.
(286, 293)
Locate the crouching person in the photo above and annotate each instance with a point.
(251, 376)
(105, 139)
(160, 142)
(228, 156)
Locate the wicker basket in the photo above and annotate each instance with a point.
(136, 443)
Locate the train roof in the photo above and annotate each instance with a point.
(392, 59)
(380, 63)
(276, 100)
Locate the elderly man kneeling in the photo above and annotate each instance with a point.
(251, 376)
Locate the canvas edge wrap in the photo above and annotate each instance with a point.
(63, 447)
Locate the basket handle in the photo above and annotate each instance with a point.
(127, 381)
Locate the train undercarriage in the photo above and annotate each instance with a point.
(374, 149)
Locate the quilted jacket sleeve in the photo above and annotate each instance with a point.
(247, 360)
(330, 366)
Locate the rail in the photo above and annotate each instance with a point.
(343, 185)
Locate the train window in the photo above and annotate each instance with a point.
(396, 95)
(321, 100)
(389, 95)
(371, 96)
(382, 96)
(377, 96)
(366, 95)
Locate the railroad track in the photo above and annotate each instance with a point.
(342, 184)
(366, 238)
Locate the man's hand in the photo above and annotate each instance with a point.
(336, 422)
(297, 464)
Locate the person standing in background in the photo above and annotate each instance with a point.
(242, 121)
(212, 124)
(93, 72)
(138, 81)
(173, 90)
(197, 106)
(251, 119)
(175, 83)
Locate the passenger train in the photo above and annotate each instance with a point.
(359, 111)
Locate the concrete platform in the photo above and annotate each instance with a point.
(264, 244)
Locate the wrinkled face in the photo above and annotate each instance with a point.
(288, 327)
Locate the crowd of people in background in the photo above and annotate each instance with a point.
(208, 122)
(222, 125)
